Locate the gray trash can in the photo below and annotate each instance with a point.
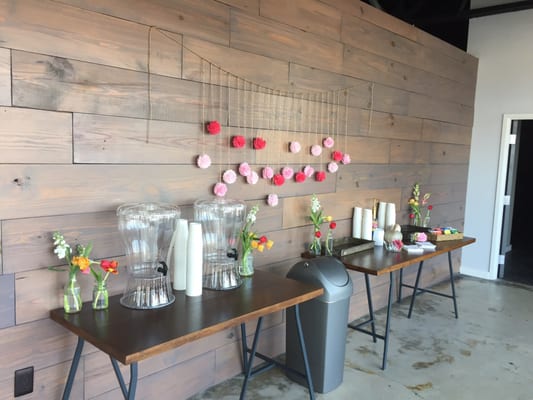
(324, 323)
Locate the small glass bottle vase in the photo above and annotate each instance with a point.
(100, 296)
(315, 248)
(246, 265)
(72, 296)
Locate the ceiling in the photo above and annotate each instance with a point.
(447, 19)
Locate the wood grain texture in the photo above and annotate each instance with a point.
(7, 300)
(403, 152)
(250, 6)
(28, 136)
(370, 176)
(165, 53)
(449, 153)
(440, 110)
(5, 77)
(442, 132)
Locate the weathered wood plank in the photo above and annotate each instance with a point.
(389, 99)
(449, 153)
(5, 77)
(454, 173)
(250, 6)
(280, 41)
(403, 152)
(206, 19)
(390, 126)
(307, 15)
(59, 84)
(164, 53)
(28, 136)
(442, 132)
(7, 300)
(55, 29)
(440, 110)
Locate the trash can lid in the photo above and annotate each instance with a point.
(336, 276)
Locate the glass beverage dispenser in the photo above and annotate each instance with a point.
(222, 221)
(146, 230)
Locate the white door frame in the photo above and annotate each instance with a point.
(500, 191)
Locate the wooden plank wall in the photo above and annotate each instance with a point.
(74, 111)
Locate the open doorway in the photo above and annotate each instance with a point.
(516, 258)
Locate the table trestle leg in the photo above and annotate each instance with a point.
(127, 393)
(73, 369)
(415, 289)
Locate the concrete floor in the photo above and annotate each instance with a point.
(485, 354)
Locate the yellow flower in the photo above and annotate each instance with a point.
(328, 218)
(260, 248)
(269, 244)
(82, 262)
(254, 244)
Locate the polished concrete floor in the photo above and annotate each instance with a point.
(485, 354)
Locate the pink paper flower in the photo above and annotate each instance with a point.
(336, 155)
(316, 150)
(299, 177)
(213, 127)
(287, 172)
(220, 189)
(309, 171)
(278, 180)
(295, 147)
(346, 159)
(253, 178)
(328, 142)
(244, 169)
(238, 141)
(229, 176)
(267, 173)
(333, 167)
(272, 200)
(259, 143)
(203, 161)
(320, 176)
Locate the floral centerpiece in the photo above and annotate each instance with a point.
(251, 241)
(317, 218)
(417, 206)
(329, 238)
(100, 293)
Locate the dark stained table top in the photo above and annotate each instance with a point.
(133, 335)
(378, 261)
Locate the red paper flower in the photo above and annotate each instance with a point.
(263, 239)
(238, 141)
(278, 180)
(430, 207)
(336, 155)
(299, 177)
(332, 225)
(411, 216)
(318, 234)
(109, 266)
(213, 127)
(320, 176)
(259, 143)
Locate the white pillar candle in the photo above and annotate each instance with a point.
(366, 228)
(382, 210)
(194, 260)
(357, 221)
(180, 255)
(390, 216)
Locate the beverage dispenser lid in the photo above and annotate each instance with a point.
(220, 202)
(157, 210)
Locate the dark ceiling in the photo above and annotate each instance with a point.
(446, 19)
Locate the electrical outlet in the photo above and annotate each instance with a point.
(23, 381)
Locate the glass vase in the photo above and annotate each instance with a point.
(100, 296)
(246, 265)
(315, 248)
(72, 296)
(328, 251)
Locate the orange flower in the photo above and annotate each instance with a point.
(83, 263)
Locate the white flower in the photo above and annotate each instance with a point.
(61, 245)
(315, 204)
(251, 215)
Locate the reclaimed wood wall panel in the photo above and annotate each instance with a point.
(29, 136)
(442, 132)
(5, 77)
(7, 300)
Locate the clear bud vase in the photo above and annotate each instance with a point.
(246, 265)
(315, 248)
(100, 296)
(329, 244)
(72, 296)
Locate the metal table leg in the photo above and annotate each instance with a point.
(303, 349)
(73, 369)
(387, 323)
(128, 393)
(249, 362)
(452, 284)
(415, 289)
(370, 308)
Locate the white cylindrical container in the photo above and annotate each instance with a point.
(382, 210)
(357, 221)
(194, 260)
(390, 216)
(180, 255)
(366, 227)
(378, 236)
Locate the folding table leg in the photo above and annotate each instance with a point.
(387, 323)
(452, 284)
(370, 308)
(127, 392)
(73, 369)
(303, 349)
(250, 360)
(415, 289)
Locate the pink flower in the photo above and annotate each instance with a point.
(346, 159)
(253, 178)
(333, 167)
(299, 177)
(309, 171)
(259, 143)
(244, 169)
(238, 141)
(267, 173)
(295, 147)
(328, 142)
(213, 127)
(272, 200)
(287, 172)
(316, 150)
(220, 189)
(278, 180)
(320, 176)
(229, 176)
(203, 161)
(336, 155)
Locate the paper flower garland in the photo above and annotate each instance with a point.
(267, 173)
(328, 142)
(320, 176)
(278, 180)
(309, 171)
(229, 176)
(346, 159)
(316, 150)
(238, 141)
(336, 155)
(220, 189)
(253, 178)
(213, 127)
(299, 177)
(333, 167)
(295, 147)
(287, 172)
(244, 169)
(259, 143)
(203, 161)
(272, 200)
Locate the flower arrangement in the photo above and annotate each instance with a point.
(100, 294)
(251, 241)
(416, 205)
(317, 218)
(329, 238)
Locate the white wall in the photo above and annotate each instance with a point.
(504, 46)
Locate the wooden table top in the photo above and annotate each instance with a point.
(379, 261)
(133, 335)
